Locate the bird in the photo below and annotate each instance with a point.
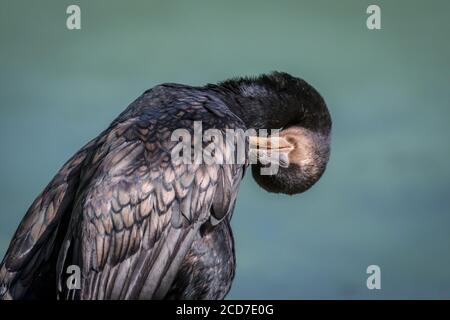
(140, 226)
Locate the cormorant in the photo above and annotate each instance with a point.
(140, 226)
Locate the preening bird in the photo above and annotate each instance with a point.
(139, 225)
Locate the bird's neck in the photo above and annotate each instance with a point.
(261, 108)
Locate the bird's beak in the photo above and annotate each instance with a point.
(270, 150)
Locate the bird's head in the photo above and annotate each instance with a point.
(291, 162)
(302, 147)
(300, 152)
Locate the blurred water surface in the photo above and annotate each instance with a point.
(385, 197)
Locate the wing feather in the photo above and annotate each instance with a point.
(34, 243)
(130, 213)
(142, 211)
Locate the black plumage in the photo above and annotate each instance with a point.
(143, 227)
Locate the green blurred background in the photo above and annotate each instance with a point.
(385, 197)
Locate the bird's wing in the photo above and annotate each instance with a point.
(138, 217)
(35, 239)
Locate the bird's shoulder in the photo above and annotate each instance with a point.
(177, 105)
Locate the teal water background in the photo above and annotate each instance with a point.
(385, 198)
